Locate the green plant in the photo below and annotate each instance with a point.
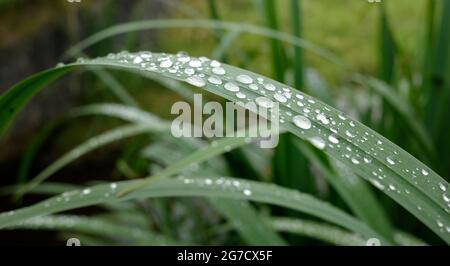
(343, 152)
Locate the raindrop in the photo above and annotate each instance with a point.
(189, 71)
(269, 87)
(196, 81)
(333, 139)
(215, 63)
(425, 172)
(230, 86)
(241, 95)
(302, 122)
(245, 79)
(247, 192)
(218, 71)
(215, 80)
(264, 102)
(280, 98)
(446, 197)
(442, 187)
(322, 118)
(195, 63)
(349, 134)
(86, 191)
(317, 142)
(355, 160)
(137, 60)
(253, 87)
(299, 96)
(166, 63)
(390, 160)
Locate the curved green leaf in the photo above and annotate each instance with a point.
(210, 187)
(391, 169)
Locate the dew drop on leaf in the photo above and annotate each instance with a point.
(280, 98)
(317, 142)
(247, 192)
(333, 139)
(390, 160)
(196, 81)
(215, 80)
(218, 70)
(264, 102)
(245, 79)
(301, 122)
(230, 86)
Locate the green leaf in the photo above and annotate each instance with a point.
(401, 176)
(13, 100)
(89, 145)
(321, 231)
(209, 187)
(353, 191)
(94, 226)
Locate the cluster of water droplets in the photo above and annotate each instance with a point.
(223, 184)
(323, 127)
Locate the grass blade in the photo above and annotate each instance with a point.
(183, 187)
(401, 176)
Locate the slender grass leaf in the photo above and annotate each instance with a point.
(208, 187)
(408, 181)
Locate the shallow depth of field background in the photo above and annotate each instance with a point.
(34, 35)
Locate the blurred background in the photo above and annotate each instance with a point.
(402, 44)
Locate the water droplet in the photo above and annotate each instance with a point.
(446, 197)
(280, 98)
(245, 79)
(367, 159)
(264, 102)
(442, 187)
(166, 63)
(333, 139)
(230, 86)
(247, 192)
(218, 70)
(86, 191)
(215, 63)
(183, 58)
(425, 172)
(253, 87)
(195, 63)
(196, 81)
(241, 95)
(270, 87)
(215, 80)
(322, 118)
(349, 134)
(137, 60)
(302, 122)
(113, 186)
(189, 71)
(317, 142)
(208, 181)
(390, 160)
(377, 184)
(355, 160)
